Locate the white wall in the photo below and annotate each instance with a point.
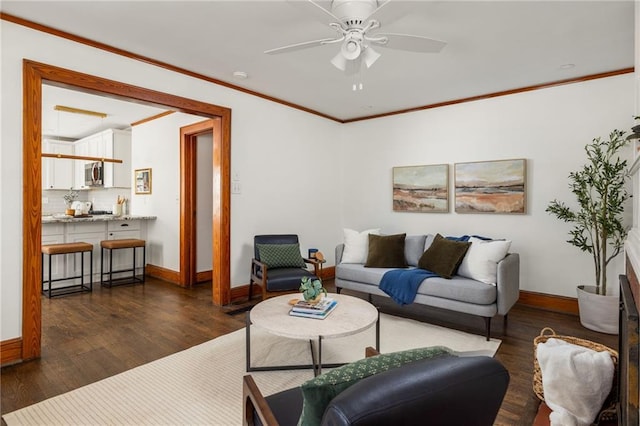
(547, 127)
(156, 145)
(275, 150)
(204, 202)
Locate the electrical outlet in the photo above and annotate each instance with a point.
(45, 200)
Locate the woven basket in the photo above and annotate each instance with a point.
(543, 337)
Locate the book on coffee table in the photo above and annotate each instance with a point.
(314, 308)
(318, 314)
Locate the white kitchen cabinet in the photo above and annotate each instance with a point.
(81, 148)
(92, 232)
(110, 143)
(57, 173)
(117, 145)
(85, 232)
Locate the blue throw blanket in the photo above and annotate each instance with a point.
(402, 284)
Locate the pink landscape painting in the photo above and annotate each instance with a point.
(423, 189)
(490, 186)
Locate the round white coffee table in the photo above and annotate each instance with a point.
(352, 315)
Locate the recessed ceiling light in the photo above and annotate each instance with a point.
(567, 66)
(240, 75)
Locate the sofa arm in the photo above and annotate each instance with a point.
(339, 251)
(508, 285)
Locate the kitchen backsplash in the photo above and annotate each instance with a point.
(102, 199)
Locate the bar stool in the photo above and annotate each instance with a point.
(118, 244)
(67, 248)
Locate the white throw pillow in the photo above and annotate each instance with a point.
(576, 381)
(481, 260)
(356, 245)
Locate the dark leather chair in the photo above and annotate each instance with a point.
(275, 281)
(438, 391)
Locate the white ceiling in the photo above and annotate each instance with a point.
(62, 124)
(492, 46)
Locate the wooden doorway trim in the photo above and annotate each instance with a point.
(34, 73)
(188, 187)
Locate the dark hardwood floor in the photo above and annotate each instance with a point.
(87, 337)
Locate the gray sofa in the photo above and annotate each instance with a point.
(458, 294)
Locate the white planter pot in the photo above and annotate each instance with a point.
(598, 312)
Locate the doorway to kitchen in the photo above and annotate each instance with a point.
(197, 146)
(34, 75)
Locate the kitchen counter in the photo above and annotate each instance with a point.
(90, 218)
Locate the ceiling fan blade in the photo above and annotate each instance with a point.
(382, 4)
(410, 43)
(300, 46)
(322, 14)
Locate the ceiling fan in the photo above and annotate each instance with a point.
(353, 21)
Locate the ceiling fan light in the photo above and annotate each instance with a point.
(339, 62)
(350, 49)
(370, 56)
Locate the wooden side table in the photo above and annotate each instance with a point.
(317, 265)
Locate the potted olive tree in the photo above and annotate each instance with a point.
(598, 228)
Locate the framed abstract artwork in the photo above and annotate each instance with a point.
(490, 186)
(423, 189)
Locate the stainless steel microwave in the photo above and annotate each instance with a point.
(94, 174)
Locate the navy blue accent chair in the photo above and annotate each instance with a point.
(277, 281)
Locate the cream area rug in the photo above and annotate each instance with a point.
(202, 385)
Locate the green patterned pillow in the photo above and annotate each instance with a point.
(281, 255)
(318, 392)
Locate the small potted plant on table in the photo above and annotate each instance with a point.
(312, 289)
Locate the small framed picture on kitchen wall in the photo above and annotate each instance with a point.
(143, 181)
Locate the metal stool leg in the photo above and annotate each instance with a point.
(133, 269)
(42, 273)
(91, 270)
(101, 265)
(144, 263)
(49, 276)
(81, 269)
(110, 267)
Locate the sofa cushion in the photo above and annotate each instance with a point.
(356, 245)
(443, 256)
(413, 248)
(459, 288)
(280, 255)
(386, 251)
(360, 274)
(318, 392)
(481, 260)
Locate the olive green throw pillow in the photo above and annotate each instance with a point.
(318, 392)
(444, 256)
(386, 251)
(280, 255)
